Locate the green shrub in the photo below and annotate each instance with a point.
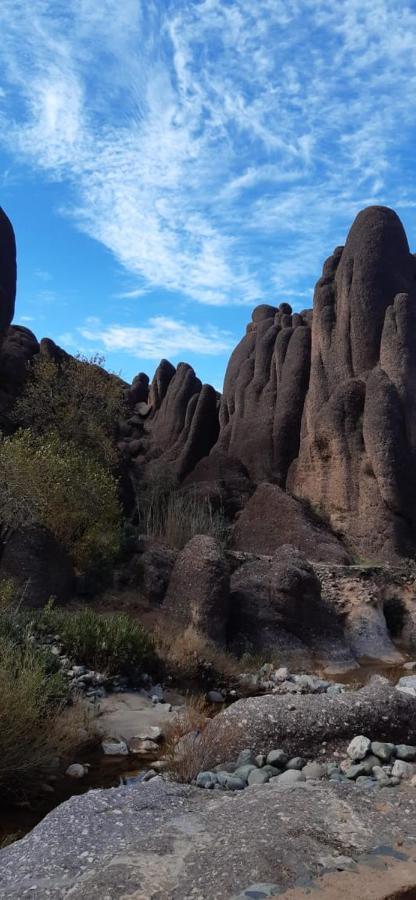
(113, 644)
(176, 516)
(54, 483)
(75, 397)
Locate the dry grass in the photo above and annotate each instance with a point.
(37, 728)
(192, 744)
(176, 516)
(189, 656)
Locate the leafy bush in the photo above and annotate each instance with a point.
(177, 516)
(77, 398)
(109, 643)
(56, 484)
(36, 726)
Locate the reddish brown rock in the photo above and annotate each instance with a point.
(198, 592)
(358, 445)
(264, 391)
(272, 518)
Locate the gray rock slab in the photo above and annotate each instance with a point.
(161, 840)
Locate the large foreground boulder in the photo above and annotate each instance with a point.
(38, 565)
(272, 518)
(161, 841)
(198, 592)
(301, 723)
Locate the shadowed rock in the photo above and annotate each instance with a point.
(357, 453)
(38, 565)
(7, 272)
(198, 592)
(19, 346)
(175, 426)
(272, 518)
(264, 391)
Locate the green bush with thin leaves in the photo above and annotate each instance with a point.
(54, 483)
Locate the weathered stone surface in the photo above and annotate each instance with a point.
(18, 347)
(272, 518)
(264, 391)
(276, 603)
(299, 723)
(162, 840)
(358, 432)
(198, 592)
(179, 425)
(151, 570)
(7, 272)
(41, 568)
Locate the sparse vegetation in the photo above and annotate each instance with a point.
(77, 398)
(191, 745)
(112, 644)
(176, 515)
(191, 658)
(36, 725)
(47, 481)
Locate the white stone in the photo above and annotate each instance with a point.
(358, 748)
(407, 685)
(113, 747)
(402, 769)
(76, 770)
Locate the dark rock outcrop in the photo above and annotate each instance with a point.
(358, 445)
(18, 348)
(174, 423)
(198, 592)
(276, 604)
(272, 518)
(264, 392)
(7, 272)
(150, 570)
(38, 565)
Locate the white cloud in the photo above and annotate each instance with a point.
(159, 337)
(170, 121)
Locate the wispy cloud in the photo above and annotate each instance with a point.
(159, 337)
(217, 149)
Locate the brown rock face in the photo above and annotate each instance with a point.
(198, 591)
(7, 272)
(264, 392)
(357, 451)
(174, 423)
(272, 518)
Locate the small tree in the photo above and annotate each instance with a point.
(77, 398)
(54, 483)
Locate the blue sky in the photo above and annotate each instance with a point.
(169, 164)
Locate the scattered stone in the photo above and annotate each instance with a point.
(365, 781)
(407, 685)
(286, 779)
(402, 769)
(113, 747)
(281, 674)
(356, 771)
(406, 752)
(231, 782)
(215, 697)
(297, 762)
(277, 758)
(258, 776)
(246, 758)
(244, 771)
(76, 770)
(260, 760)
(149, 775)
(382, 750)
(137, 745)
(313, 771)
(207, 780)
(358, 747)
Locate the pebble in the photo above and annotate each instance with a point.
(406, 752)
(215, 697)
(298, 762)
(313, 771)
(402, 769)
(113, 747)
(258, 776)
(291, 776)
(383, 750)
(207, 780)
(246, 758)
(137, 745)
(277, 758)
(76, 770)
(358, 748)
(244, 771)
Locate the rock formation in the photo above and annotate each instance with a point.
(7, 272)
(174, 422)
(356, 459)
